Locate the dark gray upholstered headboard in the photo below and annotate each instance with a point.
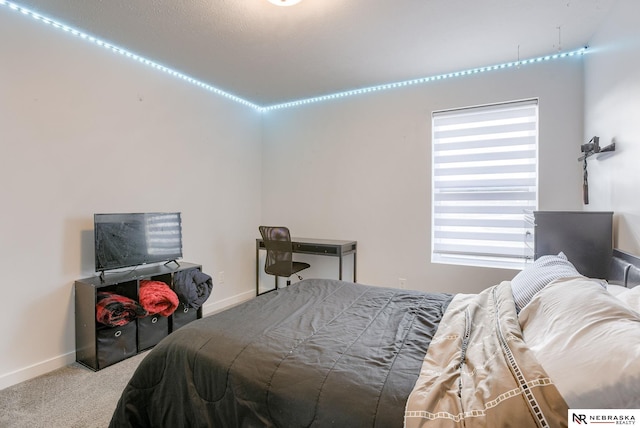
(625, 269)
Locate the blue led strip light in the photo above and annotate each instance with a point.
(126, 53)
(421, 80)
(289, 104)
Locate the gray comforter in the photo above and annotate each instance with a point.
(318, 353)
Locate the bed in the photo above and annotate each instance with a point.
(333, 353)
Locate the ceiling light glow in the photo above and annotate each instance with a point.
(284, 2)
(220, 92)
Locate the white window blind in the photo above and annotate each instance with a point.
(485, 164)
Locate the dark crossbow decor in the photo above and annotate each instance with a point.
(590, 149)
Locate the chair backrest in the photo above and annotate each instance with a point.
(277, 242)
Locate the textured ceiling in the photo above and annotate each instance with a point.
(268, 54)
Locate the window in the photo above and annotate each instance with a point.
(485, 162)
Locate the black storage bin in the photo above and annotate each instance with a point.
(182, 316)
(115, 344)
(151, 330)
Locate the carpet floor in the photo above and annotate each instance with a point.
(70, 397)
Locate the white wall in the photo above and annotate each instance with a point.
(360, 168)
(83, 131)
(612, 110)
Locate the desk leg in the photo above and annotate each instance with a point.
(257, 270)
(258, 273)
(340, 268)
(354, 267)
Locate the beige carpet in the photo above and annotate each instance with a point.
(70, 397)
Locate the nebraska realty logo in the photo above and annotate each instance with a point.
(600, 417)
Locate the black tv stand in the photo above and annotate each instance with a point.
(99, 346)
(172, 261)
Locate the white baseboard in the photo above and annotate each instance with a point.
(35, 370)
(227, 303)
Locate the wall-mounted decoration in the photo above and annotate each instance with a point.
(589, 149)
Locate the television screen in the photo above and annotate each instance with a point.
(123, 240)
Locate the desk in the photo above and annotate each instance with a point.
(321, 247)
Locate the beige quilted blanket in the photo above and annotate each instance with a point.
(478, 371)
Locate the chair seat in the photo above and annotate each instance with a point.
(286, 269)
(298, 266)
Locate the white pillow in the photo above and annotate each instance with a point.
(588, 342)
(616, 289)
(538, 275)
(631, 297)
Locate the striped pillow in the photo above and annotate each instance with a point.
(537, 276)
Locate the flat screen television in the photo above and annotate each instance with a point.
(125, 240)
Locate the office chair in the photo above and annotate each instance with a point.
(279, 261)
